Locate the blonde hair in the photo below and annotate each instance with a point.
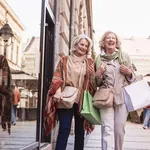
(101, 42)
(77, 39)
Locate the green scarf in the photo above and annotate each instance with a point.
(117, 54)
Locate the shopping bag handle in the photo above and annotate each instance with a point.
(86, 82)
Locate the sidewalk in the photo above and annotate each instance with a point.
(136, 138)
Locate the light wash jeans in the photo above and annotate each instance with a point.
(113, 127)
(13, 114)
(147, 117)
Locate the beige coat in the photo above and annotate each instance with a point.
(112, 77)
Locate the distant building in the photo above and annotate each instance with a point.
(13, 52)
(139, 51)
(30, 57)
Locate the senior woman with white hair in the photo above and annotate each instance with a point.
(73, 70)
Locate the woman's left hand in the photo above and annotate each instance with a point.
(125, 70)
(90, 70)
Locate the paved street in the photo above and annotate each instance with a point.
(135, 139)
(23, 133)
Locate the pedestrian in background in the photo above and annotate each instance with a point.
(71, 66)
(147, 118)
(113, 70)
(16, 100)
(6, 92)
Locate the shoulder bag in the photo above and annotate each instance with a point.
(103, 98)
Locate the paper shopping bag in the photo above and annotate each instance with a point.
(137, 95)
(89, 112)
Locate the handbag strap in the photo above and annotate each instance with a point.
(81, 76)
(87, 83)
(87, 79)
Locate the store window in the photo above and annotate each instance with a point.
(18, 107)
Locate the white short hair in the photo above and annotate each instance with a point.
(76, 41)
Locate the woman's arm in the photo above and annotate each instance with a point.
(128, 70)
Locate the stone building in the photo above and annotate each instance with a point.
(74, 17)
(13, 51)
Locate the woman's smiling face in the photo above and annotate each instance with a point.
(110, 42)
(81, 47)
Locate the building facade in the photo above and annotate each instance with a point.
(30, 57)
(73, 17)
(13, 51)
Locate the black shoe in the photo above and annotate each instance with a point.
(145, 127)
(14, 123)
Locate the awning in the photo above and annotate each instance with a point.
(23, 76)
(25, 80)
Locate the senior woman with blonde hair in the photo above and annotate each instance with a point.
(113, 70)
(69, 71)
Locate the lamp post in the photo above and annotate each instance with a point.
(6, 33)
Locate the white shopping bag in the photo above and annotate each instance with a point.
(137, 95)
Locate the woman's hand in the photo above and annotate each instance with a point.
(125, 70)
(58, 96)
(101, 69)
(90, 70)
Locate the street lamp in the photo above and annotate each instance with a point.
(6, 33)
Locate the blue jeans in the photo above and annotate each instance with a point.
(147, 117)
(13, 114)
(65, 119)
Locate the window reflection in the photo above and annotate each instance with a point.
(18, 78)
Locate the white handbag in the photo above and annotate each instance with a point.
(69, 96)
(137, 95)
